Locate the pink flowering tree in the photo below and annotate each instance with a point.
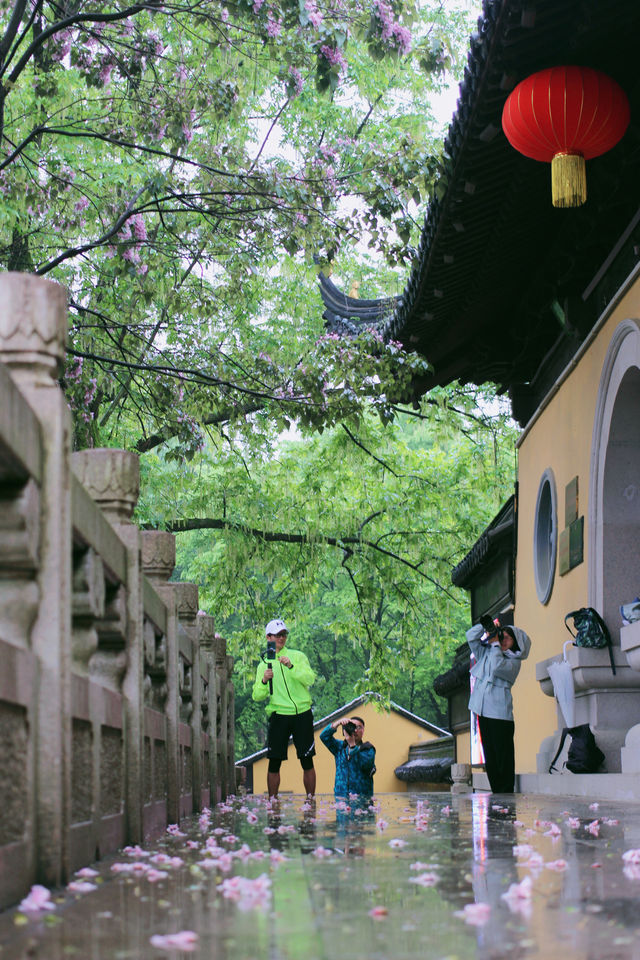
(179, 169)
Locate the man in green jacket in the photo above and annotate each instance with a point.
(284, 684)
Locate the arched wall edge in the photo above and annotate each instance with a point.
(622, 354)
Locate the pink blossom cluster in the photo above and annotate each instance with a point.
(61, 44)
(392, 33)
(333, 56)
(329, 153)
(154, 39)
(298, 82)
(74, 372)
(274, 27)
(133, 230)
(315, 17)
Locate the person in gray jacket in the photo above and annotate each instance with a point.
(499, 652)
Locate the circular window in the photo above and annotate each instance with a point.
(545, 537)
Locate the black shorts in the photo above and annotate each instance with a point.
(281, 726)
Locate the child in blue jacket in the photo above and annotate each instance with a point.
(355, 760)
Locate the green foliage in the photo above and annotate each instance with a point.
(183, 171)
(351, 536)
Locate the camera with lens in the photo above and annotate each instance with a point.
(349, 728)
(488, 625)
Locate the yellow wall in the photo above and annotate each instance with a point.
(463, 747)
(559, 439)
(390, 733)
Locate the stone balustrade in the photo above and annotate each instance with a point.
(116, 701)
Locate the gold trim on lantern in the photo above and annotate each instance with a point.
(568, 180)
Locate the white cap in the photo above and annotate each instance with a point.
(275, 626)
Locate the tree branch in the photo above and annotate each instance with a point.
(272, 536)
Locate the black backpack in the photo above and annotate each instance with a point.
(590, 631)
(585, 756)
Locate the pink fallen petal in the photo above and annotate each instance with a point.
(81, 886)
(185, 940)
(557, 865)
(38, 898)
(135, 851)
(154, 876)
(174, 830)
(534, 862)
(86, 873)
(320, 852)
(382, 825)
(631, 856)
(476, 914)
(593, 828)
(397, 843)
(519, 891)
(522, 850)
(425, 879)
(248, 894)
(277, 857)
(378, 913)
(573, 822)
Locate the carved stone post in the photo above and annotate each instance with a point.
(206, 633)
(112, 478)
(231, 739)
(223, 710)
(461, 776)
(159, 559)
(33, 331)
(189, 691)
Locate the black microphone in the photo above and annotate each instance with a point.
(271, 655)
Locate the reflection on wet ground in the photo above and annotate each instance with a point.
(425, 875)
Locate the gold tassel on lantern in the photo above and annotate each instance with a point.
(568, 180)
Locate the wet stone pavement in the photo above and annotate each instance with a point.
(412, 876)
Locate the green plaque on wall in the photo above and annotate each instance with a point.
(576, 542)
(563, 552)
(571, 502)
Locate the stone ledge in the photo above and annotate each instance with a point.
(591, 786)
(630, 644)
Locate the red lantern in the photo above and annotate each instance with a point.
(566, 115)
